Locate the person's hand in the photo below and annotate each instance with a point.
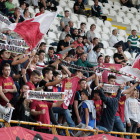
(78, 120)
(23, 71)
(64, 55)
(122, 52)
(138, 125)
(97, 129)
(101, 85)
(72, 45)
(33, 53)
(4, 90)
(64, 76)
(18, 15)
(129, 124)
(9, 105)
(86, 127)
(39, 123)
(122, 85)
(42, 111)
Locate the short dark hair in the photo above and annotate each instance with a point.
(68, 35)
(82, 80)
(52, 67)
(23, 86)
(111, 76)
(55, 73)
(97, 47)
(2, 52)
(25, 11)
(95, 38)
(80, 36)
(35, 72)
(6, 65)
(133, 30)
(16, 8)
(66, 26)
(42, 43)
(51, 48)
(22, 3)
(82, 23)
(99, 56)
(41, 8)
(46, 70)
(79, 47)
(41, 51)
(92, 25)
(66, 11)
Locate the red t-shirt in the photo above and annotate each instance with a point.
(78, 44)
(70, 86)
(98, 104)
(6, 83)
(31, 86)
(43, 118)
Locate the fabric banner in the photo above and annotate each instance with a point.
(3, 37)
(107, 73)
(5, 20)
(14, 49)
(41, 95)
(18, 42)
(19, 133)
(110, 88)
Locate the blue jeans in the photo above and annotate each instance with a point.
(18, 87)
(102, 128)
(66, 114)
(118, 125)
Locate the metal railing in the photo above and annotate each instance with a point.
(54, 131)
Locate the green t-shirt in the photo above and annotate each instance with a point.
(9, 6)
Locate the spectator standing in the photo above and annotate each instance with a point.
(93, 55)
(10, 7)
(91, 34)
(114, 41)
(26, 14)
(82, 31)
(16, 17)
(42, 10)
(64, 21)
(127, 3)
(132, 40)
(97, 11)
(107, 59)
(120, 57)
(132, 113)
(64, 44)
(79, 8)
(7, 86)
(22, 8)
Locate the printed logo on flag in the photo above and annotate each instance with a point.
(110, 88)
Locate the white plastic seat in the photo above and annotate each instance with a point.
(70, 4)
(112, 12)
(124, 8)
(126, 21)
(91, 20)
(99, 22)
(137, 16)
(107, 24)
(16, 3)
(130, 15)
(109, 52)
(133, 10)
(56, 22)
(53, 28)
(116, 7)
(117, 3)
(110, 2)
(106, 30)
(98, 29)
(60, 10)
(133, 27)
(121, 14)
(119, 19)
(105, 37)
(82, 18)
(106, 6)
(62, 3)
(105, 11)
(127, 54)
(76, 25)
(103, 51)
(58, 34)
(111, 60)
(122, 33)
(90, 2)
(69, 9)
(74, 18)
(121, 38)
(49, 41)
(52, 35)
(87, 26)
(135, 22)
(98, 35)
(100, 4)
(105, 43)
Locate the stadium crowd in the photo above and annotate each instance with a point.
(85, 107)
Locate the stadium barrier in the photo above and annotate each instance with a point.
(54, 131)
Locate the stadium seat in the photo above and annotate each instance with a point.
(109, 52)
(69, 9)
(58, 34)
(99, 22)
(137, 16)
(117, 3)
(56, 22)
(112, 12)
(116, 7)
(53, 28)
(126, 21)
(49, 41)
(135, 22)
(90, 2)
(134, 55)
(74, 18)
(62, 3)
(105, 11)
(105, 37)
(36, 10)
(99, 3)
(110, 2)
(119, 19)
(91, 20)
(98, 35)
(16, 3)
(98, 29)
(106, 30)
(103, 52)
(52, 35)
(105, 43)
(124, 9)
(111, 60)
(133, 27)
(121, 14)
(60, 10)
(122, 33)
(70, 4)
(76, 25)
(106, 6)
(130, 15)
(127, 54)
(82, 18)
(107, 24)
(133, 10)
(121, 38)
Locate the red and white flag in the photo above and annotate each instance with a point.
(34, 29)
(136, 63)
